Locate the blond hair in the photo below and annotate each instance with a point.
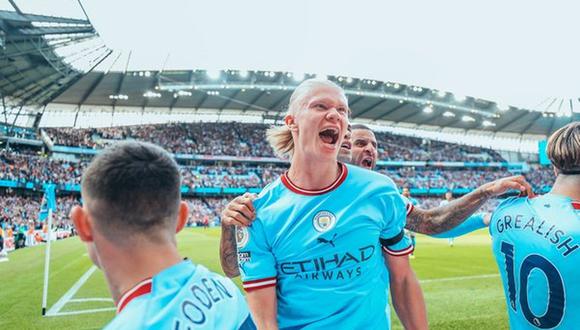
(564, 149)
(280, 137)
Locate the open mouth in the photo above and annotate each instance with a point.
(346, 145)
(329, 135)
(367, 162)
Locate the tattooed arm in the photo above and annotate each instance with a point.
(446, 217)
(228, 251)
(239, 212)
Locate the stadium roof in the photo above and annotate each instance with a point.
(32, 70)
(269, 92)
(38, 67)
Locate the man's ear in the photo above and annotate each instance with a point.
(182, 216)
(555, 170)
(82, 222)
(290, 122)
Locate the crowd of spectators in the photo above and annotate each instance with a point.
(541, 177)
(75, 137)
(444, 178)
(431, 202)
(222, 176)
(231, 139)
(19, 212)
(406, 148)
(19, 218)
(26, 165)
(41, 169)
(240, 139)
(38, 169)
(205, 211)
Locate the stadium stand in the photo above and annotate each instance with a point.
(210, 183)
(19, 215)
(235, 139)
(405, 148)
(41, 170)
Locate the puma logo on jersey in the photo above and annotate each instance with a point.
(330, 241)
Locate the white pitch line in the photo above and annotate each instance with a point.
(459, 278)
(96, 310)
(55, 309)
(82, 300)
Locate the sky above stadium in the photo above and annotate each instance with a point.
(513, 52)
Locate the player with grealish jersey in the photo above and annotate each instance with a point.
(536, 243)
(322, 252)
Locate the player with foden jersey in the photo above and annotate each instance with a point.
(131, 213)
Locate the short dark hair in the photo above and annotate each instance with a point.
(133, 188)
(361, 126)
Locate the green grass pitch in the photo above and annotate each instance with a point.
(460, 283)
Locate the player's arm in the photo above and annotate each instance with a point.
(264, 306)
(257, 266)
(406, 293)
(239, 212)
(446, 217)
(473, 223)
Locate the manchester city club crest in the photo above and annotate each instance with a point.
(242, 236)
(324, 221)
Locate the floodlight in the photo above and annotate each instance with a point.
(298, 76)
(213, 74)
(459, 98)
(502, 107)
(151, 94)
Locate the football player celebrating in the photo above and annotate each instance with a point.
(536, 243)
(312, 258)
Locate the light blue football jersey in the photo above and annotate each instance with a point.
(536, 247)
(184, 296)
(323, 250)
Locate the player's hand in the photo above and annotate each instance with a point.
(502, 186)
(486, 219)
(240, 211)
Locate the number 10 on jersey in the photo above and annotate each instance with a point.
(554, 311)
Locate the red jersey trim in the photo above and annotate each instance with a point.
(294, 188)
(576, 205)
(410, 208)
(399, 253)
(260, 284)
(142, 288)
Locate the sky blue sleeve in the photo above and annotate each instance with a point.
(256, 261)
(392, 237)
(472, 223)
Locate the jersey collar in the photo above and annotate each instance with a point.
(574, 203)
(294, 188)
(142, 288)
